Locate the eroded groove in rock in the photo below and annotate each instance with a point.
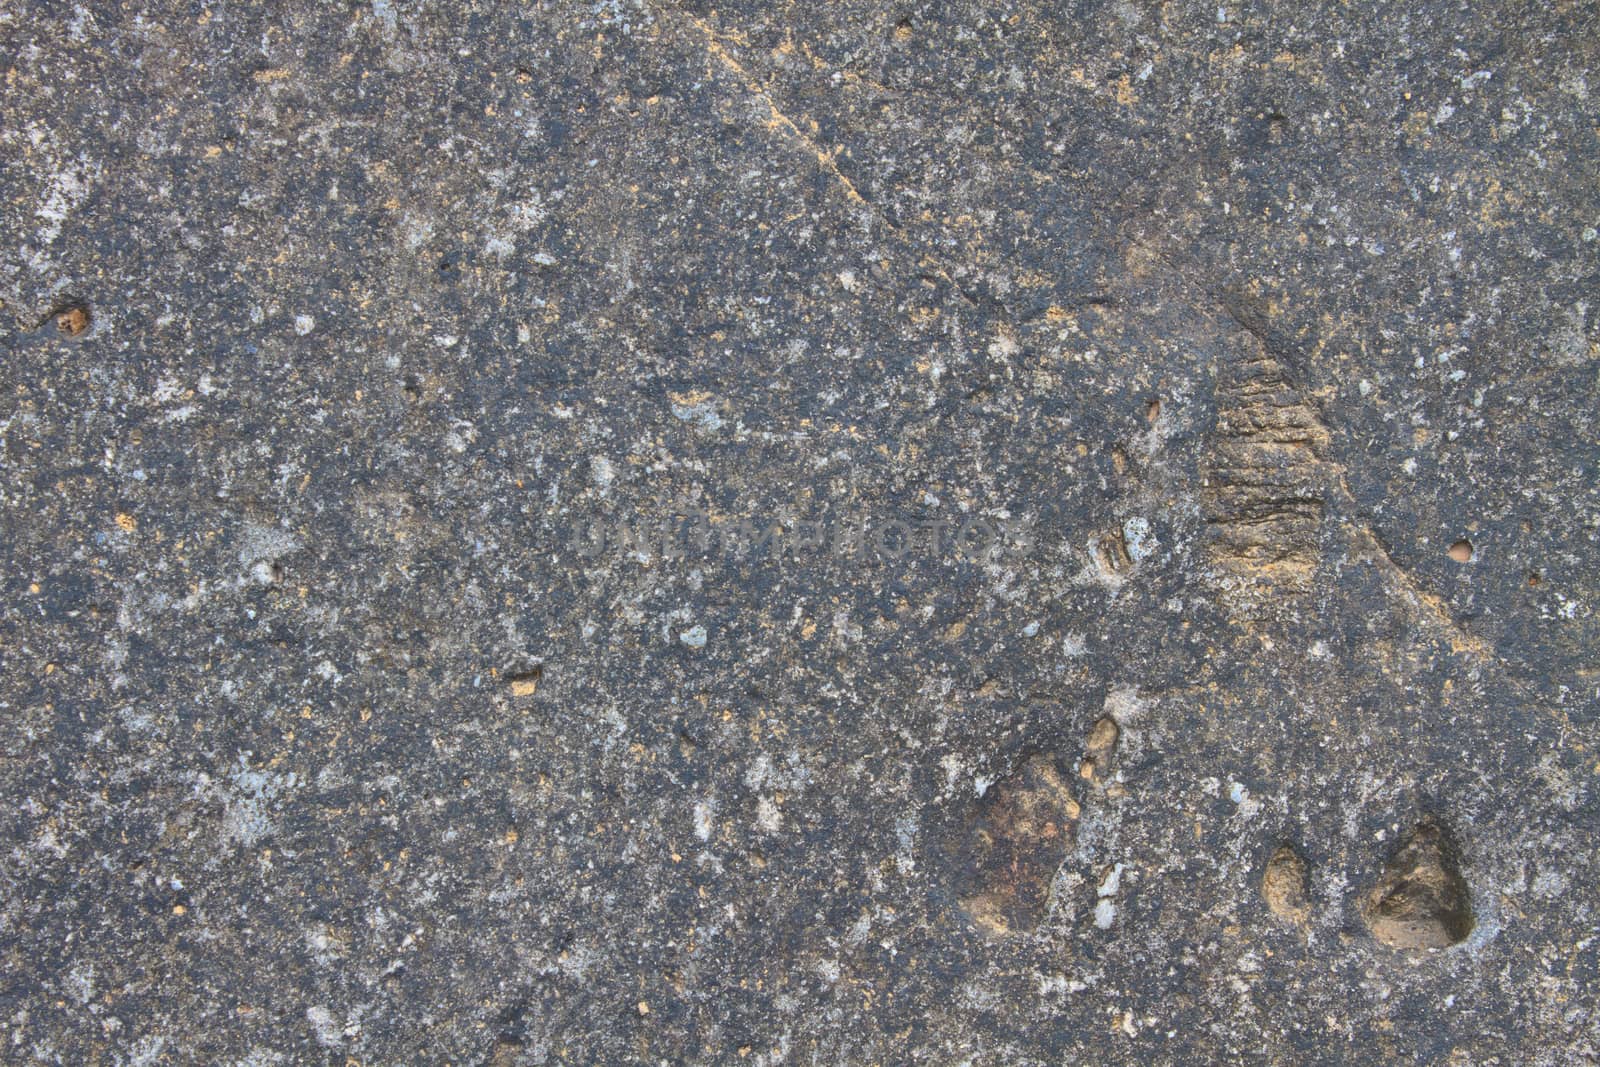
(1019, 836)
(1263, 497)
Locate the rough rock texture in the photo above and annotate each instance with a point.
(1230, 370)
(1021, 831)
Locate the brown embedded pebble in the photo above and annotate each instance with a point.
(1097, 748)
(1284, 885)
(525, 683)
(1102, 737)
(73, 321)
(1461, 551)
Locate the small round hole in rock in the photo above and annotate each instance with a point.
(1461, 551)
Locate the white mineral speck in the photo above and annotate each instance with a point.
(601, 472)
(703, 811)
(1136, 535)
(768, 817)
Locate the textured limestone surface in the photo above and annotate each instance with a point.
(651, 531)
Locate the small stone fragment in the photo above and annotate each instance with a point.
(1284, 885)
(1421, 901)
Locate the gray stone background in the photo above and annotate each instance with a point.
(327, 328)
